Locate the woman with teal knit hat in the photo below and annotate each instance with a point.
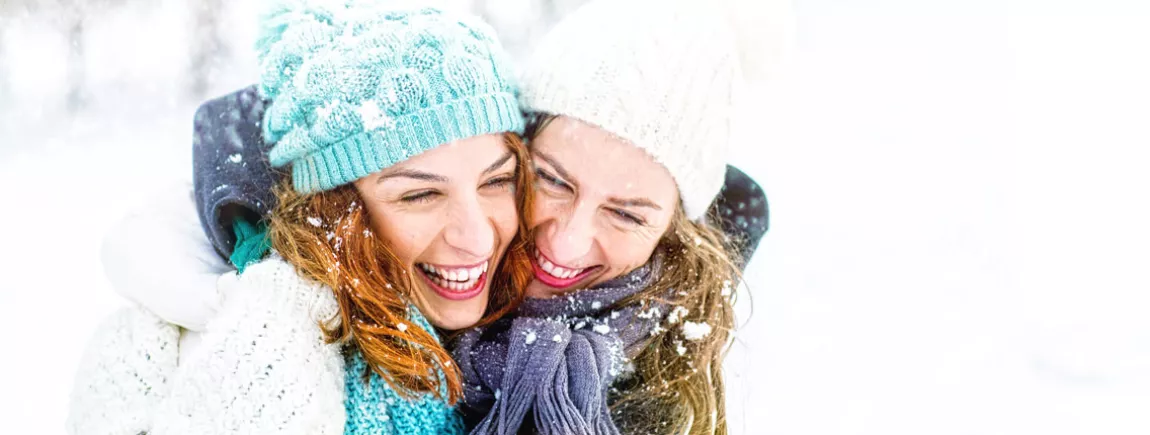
(400, 214)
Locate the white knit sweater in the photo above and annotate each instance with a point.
(262, 367)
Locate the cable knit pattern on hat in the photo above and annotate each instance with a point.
(357, 87)
(659, 74)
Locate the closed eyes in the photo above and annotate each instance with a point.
(424, 196)
(553, 180)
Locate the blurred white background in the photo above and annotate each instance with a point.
(959, 243)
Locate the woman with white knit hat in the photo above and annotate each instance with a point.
(633, 105)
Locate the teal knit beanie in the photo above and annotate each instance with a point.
(357, 86)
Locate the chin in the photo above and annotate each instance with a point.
(538, 290)
(452, 315)
(453, 321)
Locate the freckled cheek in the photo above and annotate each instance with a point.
(546, 209)
(542, 212)
(505, 216)
(625, 254)
(408, 235)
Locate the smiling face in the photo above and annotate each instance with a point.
(448, 215)
(602, 205)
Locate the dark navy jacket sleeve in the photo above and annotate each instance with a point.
(741, 212)
(231, 174)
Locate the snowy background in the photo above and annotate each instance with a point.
(958, 241)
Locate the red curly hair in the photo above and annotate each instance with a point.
(372, 286)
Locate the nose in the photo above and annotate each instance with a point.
(572, 235)
(469, 230)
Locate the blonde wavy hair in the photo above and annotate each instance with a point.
(677, 386)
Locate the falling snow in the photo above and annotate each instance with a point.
(695, 331)
(649, 313)
(1063, 349)
(372, 116)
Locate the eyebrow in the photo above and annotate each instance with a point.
(408, 173)
(498, 163)
(425, 176)
(634, 202)
(558, 168)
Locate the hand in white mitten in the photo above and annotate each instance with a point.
(159, 257)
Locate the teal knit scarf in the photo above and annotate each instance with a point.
(375, 408)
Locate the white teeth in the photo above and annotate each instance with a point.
(461, 279)
(553, 270)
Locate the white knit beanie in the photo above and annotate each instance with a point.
(658, 74)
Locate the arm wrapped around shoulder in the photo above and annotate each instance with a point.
(124, 374)
(263, 365)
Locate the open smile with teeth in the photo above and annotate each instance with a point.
(556, 271)
(459, 279)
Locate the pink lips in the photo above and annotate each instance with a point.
(457, 295)
(556, 282)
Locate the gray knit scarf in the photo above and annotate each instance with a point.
(556, 358)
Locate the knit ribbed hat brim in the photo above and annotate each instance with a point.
(365, 153)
